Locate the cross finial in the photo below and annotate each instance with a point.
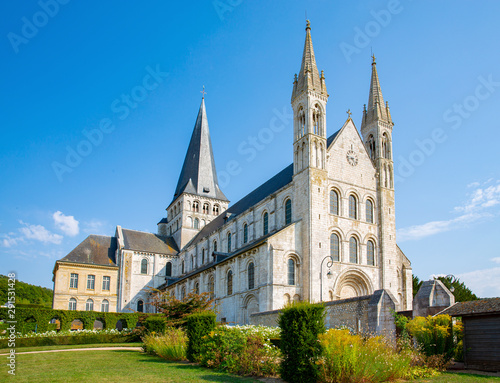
(373, 59)
(203, 92)
(349, 113)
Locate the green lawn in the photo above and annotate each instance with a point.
(109, 366)
(69, 346)
(452, 377)
(133, 366)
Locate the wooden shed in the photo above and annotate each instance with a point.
(481, 321)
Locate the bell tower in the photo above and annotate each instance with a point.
(309, 98)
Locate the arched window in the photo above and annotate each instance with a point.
(89, 305)
(265, 224)
(353, 207)
(291, 272)
(206, 208)
(183, 293)
(203, 256)
(353, 250)
(196, 223)
(105, 306)
(245, 233)
(229, 282)
(229, 242)
(189, 222)
(370, 145)
(72, 304)
(386, 146)
(196, 288)
(288, 211)
(334, 202)
(370, 253)
(335, 247)
(140, 306)
(144, 266)
(183, 269)
(251, 276)
(196, 206)
(211, 287)
(369, 211)
(301, 122)
(317, 120)
(215, 245)
(168, 269)
(192, 262)
(216, 209)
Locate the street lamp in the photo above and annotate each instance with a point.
(329, 274)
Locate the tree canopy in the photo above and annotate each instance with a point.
(26, 293)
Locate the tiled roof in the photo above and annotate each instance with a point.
(482, 306)
(94, 250)
(148, 242)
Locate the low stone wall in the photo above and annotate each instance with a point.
(366, 314)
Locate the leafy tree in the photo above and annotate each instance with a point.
(26, 293)
(176, 310)
(461, 292)
(416, 285)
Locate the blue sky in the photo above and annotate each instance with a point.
(120, 84)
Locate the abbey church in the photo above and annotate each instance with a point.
(322, 229)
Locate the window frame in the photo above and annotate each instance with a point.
(70, 304)
(73, 281)
(288, 211)
(335, 244)
(105, 306)
(370, 244)
(251, 276)
(91, 282)
(229, 284)
(144, 261)
(353, 249)
(265, 223)
(106, 282)
(291, 272)
(334, 202)
(245, 233)
(91, 303)
(369, 211)
(229, 241)
(353, 206)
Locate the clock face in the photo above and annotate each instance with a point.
(352, 158)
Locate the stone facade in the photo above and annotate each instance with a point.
(322, 229)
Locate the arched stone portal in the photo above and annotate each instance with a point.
(250, 306)
(353, 283)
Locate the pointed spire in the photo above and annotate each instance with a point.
(376, 108)
(198, 175)
(309, 78)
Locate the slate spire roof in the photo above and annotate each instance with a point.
(376, 109)
(198, 175)
(309, 77)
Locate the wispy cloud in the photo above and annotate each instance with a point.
(96, 226)
(484, 283)
(474, 209)
(496, 259)
(66, 223)
(40, 233)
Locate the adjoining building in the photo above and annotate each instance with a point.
(322, 229)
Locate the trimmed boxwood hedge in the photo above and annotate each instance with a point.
(300, 324)
(198, 325)
(29, 319)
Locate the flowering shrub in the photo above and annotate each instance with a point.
(53, 333)
(243, 350)
(433, 335)
(350, 358)
(171, 345)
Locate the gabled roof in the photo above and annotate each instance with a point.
(148, 242)
(280, 180)
(478, 307)
(198, 175)
(94, 250)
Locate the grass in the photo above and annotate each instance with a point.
(70, 346)
(453, 377)
(110, 366)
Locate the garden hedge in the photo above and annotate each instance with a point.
(198, 326)
(300, 324)
(36, 319)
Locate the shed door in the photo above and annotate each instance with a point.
(482, 342)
